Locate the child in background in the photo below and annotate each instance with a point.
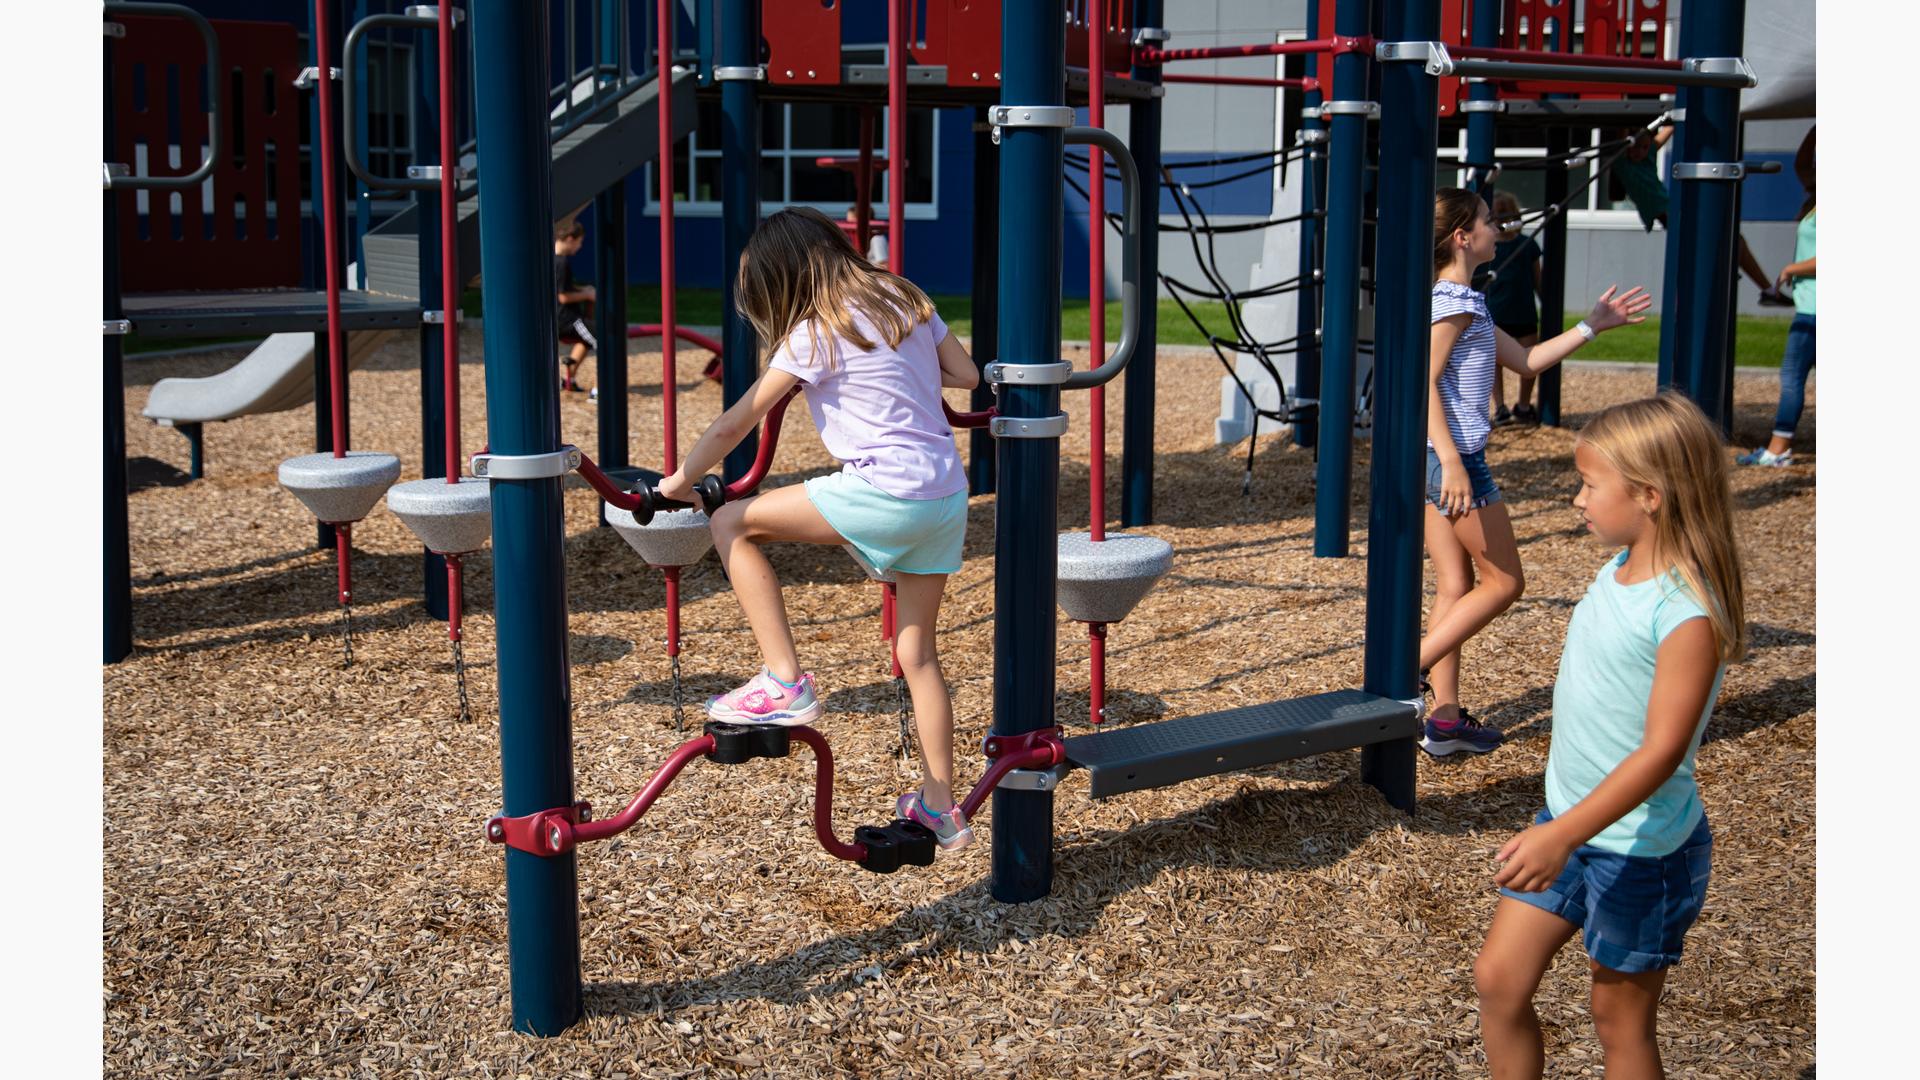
(1467, 528)
(1622, 850)
(873, 355)
(575, 302)
(1510, 301)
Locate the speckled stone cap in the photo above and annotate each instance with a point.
(340, 489)
(1101, 582)
(451, 519)
(673, 538)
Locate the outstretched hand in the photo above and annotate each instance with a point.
(1610, 311)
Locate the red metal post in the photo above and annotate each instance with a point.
(664, 169)
(673, 609)
(1097, 266)
(329, 212)
(453, 596)
(343, 550)
(1097, 657)
(823, 797)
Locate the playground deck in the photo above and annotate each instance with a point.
(296, 881)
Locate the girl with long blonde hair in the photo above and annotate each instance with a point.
(872, 355)
(1622, 851)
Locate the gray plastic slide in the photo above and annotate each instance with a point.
(277, 375)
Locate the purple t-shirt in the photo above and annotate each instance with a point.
(878, 410)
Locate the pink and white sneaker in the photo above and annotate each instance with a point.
(950, 829)
(764, 699)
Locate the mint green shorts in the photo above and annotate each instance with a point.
(908, 536)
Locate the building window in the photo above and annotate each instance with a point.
(792, 136)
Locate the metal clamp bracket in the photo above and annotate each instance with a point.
(1151, 35)
(310, 75)
(1677, 115)
(1016, 427)
(1722, 65)
(1433, 53)
(1029, 374)
(1045, 116)
(740, 73)
(1034, 779)
(1483, 106)
(111, 171)
(1312, 136)
(432, 11)
(113, 29)
(115, 327)
(527, 466)
(1709, 170)
(1368, 109)
(432, 172)
(437, 317)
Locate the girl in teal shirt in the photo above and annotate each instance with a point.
(1621, 852)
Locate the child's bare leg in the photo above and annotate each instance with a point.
(1487, 534)
(1624, 1010)
(738, 531)
(1520, 945)
(919, 610)
(1499, 389)
(1452, 579)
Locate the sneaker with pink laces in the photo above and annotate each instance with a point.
(950, 829)
(764, 699)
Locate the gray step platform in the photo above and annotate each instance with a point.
(1173, 751)
(261, 311)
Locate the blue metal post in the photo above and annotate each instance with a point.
(739, 33)
(1695, 347)
(1346, 179)
(1409, 129)
(1480, 130)
(1032, 214)
(1553, 273)
(1313, 179)
(1136, 423)
(116, 569)
(986, 282)
(433, 356)
(610, 285)
(530, 583)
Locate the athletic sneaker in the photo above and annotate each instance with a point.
(1443, 737)
(950, 828)
(764, 699)
(1526, 416)
(1771, 296)
(1760, 455)
(1502, 417)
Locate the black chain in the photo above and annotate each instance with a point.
(460, 681)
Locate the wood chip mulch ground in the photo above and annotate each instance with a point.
(296, 882)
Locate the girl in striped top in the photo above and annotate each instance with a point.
(1467, 529)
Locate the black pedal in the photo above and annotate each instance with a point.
(734, 744)
(889, 847)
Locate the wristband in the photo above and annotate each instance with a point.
(1586, 331)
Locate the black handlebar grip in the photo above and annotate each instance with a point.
(713, 493)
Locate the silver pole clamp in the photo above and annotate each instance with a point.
(1677, 115)
(1709, 170)
(1029, 374)
(1312, 136)
(1483, 106)
(1018, 427)
(1034, 779)
(1368, 109)
(1151, 35)
(1433, 53)
(111, 171)
(115, 327)
(1018, 116)
(437, 317)
(432, 11)
(113, 29)
(740, 73)
(527, 466)
(432, 172)
(1419, 705)
(1722, 65)
(310, 75)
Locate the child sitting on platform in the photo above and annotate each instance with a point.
(873, 355)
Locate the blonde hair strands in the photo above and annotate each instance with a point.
(799, 267)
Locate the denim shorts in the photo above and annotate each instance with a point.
(1479, 479)
(1632, 910)
(911, 536)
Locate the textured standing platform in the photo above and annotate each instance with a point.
(673, 538)
(451, 519)
(1104, 581)
(340, 489)
(1172, 751)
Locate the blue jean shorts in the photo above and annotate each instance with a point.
(910, 536)
(1632, 910)
(1479, 479)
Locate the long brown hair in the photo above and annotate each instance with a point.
(1666, 443)
(1453, 209)
(799, 267)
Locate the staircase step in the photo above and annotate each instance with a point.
(1173, 751)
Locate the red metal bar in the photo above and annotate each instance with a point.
(1040, 749)
(823, 797)
(1544, 56)
(897, 135)
(343, 550)
(1097, 272)
(670, 453)
(625, 819)
(1097, 655)
(1277, 48)
(450, 286)
(963, 421)
(329, 211)
(453, 596)
(763, 458)
(608, 489)
(640, 330)
(673, 609)
(1308, 84)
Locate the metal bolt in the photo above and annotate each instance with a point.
(789, 73)
(810, 73)
(553, 838)
(495, 831)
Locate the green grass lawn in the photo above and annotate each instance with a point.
(1761, 338)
